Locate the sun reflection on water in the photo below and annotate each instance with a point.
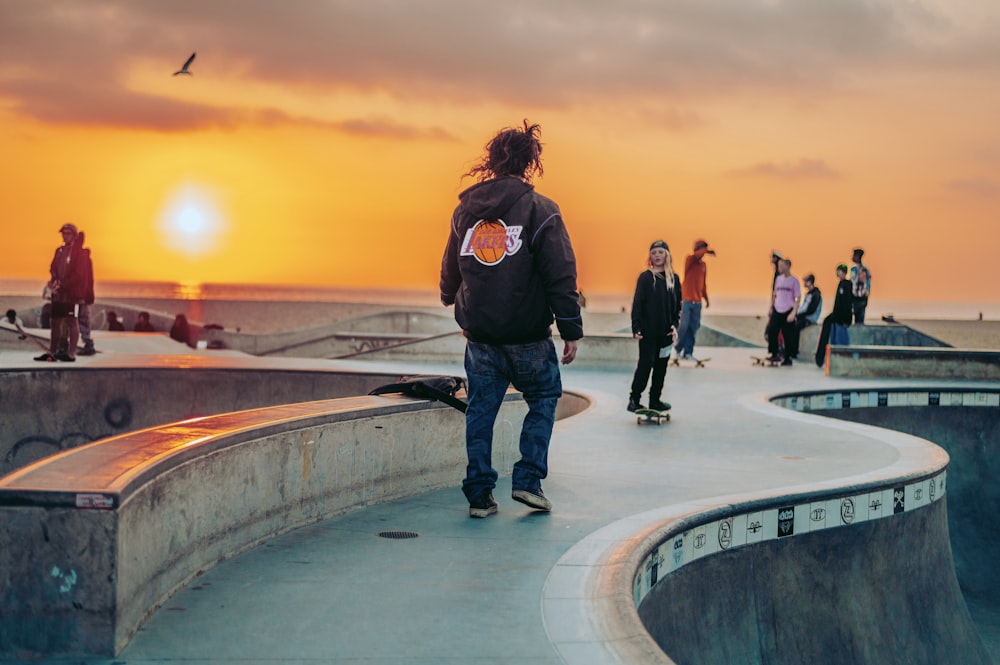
(188, 291)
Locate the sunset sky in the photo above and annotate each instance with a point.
(324, 142)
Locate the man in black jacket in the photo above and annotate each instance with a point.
(510, 270)
(70, 271)
(835, 324)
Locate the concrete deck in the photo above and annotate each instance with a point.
(471, 591)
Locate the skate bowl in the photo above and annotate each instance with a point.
(880, 568)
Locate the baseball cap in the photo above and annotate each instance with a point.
(67, 227)
(700, 244)
(659, 243)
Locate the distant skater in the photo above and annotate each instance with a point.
(13, 319)
(835, 324)
(861, 285)
(68, 283)
(114, 323)
(694, 291)
(812, 304)
(83, 312)
(656, 310)
(784, 304)
(181, 331)
(807, 315)
(142, 323)
(510, 271)
(776, 256)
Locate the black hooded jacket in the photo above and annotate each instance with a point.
(71, 267)
(509, 267)
(656, 307)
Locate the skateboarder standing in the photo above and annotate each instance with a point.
(656, 309)
(694, 290)
(836, 323)
(861, 285)
(510, 270)
(70, 270)
(784, 304)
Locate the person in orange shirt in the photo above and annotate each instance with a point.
(694, 289)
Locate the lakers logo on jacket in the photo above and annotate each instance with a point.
(489, 241)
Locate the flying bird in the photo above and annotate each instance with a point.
(184, 69)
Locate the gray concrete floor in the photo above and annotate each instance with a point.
(469, 591)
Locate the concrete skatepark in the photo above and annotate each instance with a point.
(562, 587)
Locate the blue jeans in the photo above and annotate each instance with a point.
(690, 322)
(839, 335)
(858, 307)
(533, 369)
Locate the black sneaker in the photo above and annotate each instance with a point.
(65, 357)
(484, 506)
(88, 350)
(533, 498)
(634, 405)
(787, 362)
(45, 358)
(657, 405)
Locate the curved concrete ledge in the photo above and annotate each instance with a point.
(92, 540)
(782, 576)
(48, 410)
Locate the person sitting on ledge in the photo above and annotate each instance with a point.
(143, 324)
(114, 323)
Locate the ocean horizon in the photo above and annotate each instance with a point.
(723, 305)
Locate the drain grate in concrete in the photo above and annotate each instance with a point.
(398, 535)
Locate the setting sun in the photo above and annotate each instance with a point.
(191, 223)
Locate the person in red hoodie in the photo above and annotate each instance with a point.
(510, 271)
(695, 290)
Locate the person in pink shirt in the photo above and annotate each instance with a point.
(784, 304)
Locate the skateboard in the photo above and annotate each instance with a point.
(43, 347)
(698, 362)
(764, 361)
(651, 416)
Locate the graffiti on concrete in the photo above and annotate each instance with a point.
(360, 346)
(66, 579)
(117, 414)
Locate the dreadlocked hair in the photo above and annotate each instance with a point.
(513, 151)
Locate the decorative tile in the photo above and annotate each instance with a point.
(675, 554)
(815, 516)
(698, 541)
(755, 527)
(917, 495)
(739, 528)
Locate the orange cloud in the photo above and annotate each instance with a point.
(803, 169)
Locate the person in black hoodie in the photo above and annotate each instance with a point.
(510, 271)
(70, 270)
(656, 309)
(835, 324)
